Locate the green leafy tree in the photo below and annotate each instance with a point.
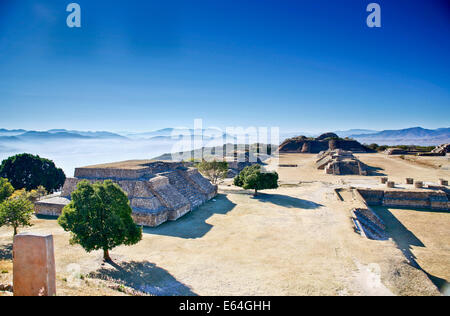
(26, 171)
(99, 218)
(6, 189)
(16, 212)
(213, 170)
(32, 196)
(252, 178)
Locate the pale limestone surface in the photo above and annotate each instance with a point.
(34, 265)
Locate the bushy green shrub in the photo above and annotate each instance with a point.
(6, 189)
(213, 170)
(253, 178)
(16, 212)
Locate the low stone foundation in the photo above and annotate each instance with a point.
(51, 206)
(368, 224)
(432, 199)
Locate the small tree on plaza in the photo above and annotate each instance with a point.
(6, 189)
(213, 170)
(16, 212)
(252, 178)
(99, 218)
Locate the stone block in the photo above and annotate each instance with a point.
(34, 271)
(418, 184)
(390, 184)
(409, 181)
(443, 182)
(384, 180)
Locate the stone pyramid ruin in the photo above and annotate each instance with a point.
(158, 190)
(341, 162)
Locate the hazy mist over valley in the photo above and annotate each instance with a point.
(71, 149)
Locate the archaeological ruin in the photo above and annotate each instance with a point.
(442, 149)
(341, 162)
(158, 191)
(328, 141)
(368, 224)
(237, 156)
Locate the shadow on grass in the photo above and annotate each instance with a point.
(143, 276)
(193, 225)
(405, 239)
(6, 252)
(286, 201)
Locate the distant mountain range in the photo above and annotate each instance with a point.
(167, 134)
(176, 133)
(408, 136)
(51, 135)
(351, 132)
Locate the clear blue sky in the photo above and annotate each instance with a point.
(301, 65)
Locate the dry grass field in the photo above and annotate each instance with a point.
(296, 240)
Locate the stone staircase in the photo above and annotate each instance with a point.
(194, 197)
(371, 229)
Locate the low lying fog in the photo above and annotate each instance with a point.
(72, 153)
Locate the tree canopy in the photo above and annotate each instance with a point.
(16, 212)
(99, 217)
(6, 189)
(213, 170)
(252, 177)
(26, 171)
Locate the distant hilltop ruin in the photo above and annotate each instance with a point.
(440, 150)
(237, 156)
(158, 191)
(327, 141)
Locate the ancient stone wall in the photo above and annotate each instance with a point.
(50, 207)
(162, 166)
(372, 197)
(400, 198)
(366, 222)
(109, 173)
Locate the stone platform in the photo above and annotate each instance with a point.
(341, 162)
(158, 190)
